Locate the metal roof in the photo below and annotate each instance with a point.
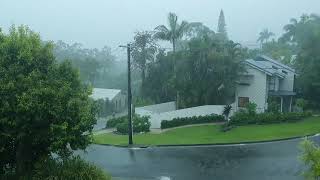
(269, 66)
(100, 93)
(277, 63)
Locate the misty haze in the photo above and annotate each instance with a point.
(159, 90)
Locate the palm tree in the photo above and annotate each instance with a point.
(226, 111)
(264, 36)
(290, 30)
(173, 32)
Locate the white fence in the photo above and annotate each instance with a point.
(157, 117)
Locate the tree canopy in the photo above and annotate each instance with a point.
(173, 32)
(44, 106)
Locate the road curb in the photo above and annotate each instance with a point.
(212, 144)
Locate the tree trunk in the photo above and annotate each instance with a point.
(143, 79)
(23, 160)
(174, 45)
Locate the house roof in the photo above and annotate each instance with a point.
(277, 63)
(99, 93)
(269, 66)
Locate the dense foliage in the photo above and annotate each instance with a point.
(244, 118)
(206, 72)
(191, 120)
(298, 47)
(310, 155)
(112, 123)
(44, 107)
(307, 37)
(73, 168)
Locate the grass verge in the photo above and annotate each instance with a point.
(210, 134)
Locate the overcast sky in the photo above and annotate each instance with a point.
(96, 23)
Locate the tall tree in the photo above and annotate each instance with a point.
(44, 107)
(290, 31)
(222, 30)
(173, 32)
(143, 52)
(307, 63)
(264, 36)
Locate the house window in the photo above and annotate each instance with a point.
(285, 72)
(272, 84)
(243, 101)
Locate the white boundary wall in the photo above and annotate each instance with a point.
(156, 118)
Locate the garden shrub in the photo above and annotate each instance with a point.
(242, 118)
(191, 120)
(140, 124)
(251, 108)
(72, 168)
(112, 123)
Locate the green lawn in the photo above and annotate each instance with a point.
(207, 134)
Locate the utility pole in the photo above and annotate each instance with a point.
(129, 95)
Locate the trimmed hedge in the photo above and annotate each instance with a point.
(191, 120)
(242, 118)
(140, 124)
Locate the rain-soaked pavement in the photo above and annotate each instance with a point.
(262, 161)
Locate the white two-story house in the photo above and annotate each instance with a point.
(264, 79)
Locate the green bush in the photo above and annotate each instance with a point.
(140, 124)
(191, 120)
(112, 123)
(251, 108)
(242, 118)
(72, 168)
(69, 169)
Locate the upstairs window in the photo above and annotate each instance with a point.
(272, 84)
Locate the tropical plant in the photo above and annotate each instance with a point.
(290, 30)
(173, 32)
(226, 111)
(264, 36)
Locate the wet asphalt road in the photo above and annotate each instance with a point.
(265, 161)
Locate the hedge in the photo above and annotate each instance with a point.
(112, 123)
(191, 120)
(242, 118)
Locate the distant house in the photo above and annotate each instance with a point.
(265, 79)
(115, 96)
